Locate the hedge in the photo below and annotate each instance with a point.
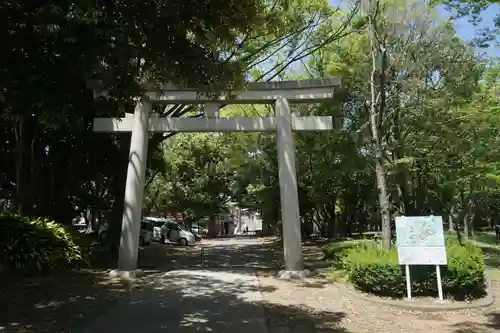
(375, 270)
(36, 244)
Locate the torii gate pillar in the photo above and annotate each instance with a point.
(290, 216)
(134, 188)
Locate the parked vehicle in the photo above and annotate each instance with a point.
(165, 230)
(176, 233)
(197, 236)
(198, 229)
(145, 236)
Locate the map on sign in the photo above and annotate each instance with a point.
(420, 240)
(419, 231)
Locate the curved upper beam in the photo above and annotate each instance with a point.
(298, 91)
(326, 82)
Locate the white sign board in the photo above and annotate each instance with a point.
(420, 240)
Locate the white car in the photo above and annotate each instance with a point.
(157, 223)
(145, 236)
(199, 229)
(168, 231)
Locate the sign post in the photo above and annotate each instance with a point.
(420, 241)
(408, 281)
(439, 283)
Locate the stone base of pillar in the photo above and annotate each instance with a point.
(126, 275)
(294, 275)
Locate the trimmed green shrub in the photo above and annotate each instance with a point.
(375, 270)
(36, 245)
(464, 275)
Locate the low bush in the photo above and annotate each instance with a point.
(464, 275)
(36, 244)
(375, 270)
(335, 251)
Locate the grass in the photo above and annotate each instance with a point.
(338, 275)
(487, 242)
(487, 238)
(336, 272)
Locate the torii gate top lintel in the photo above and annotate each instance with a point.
(295, 91)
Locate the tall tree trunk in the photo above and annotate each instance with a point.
(20, 139)
(466, 225)
(419, 188)
(462, 217)
(384, 205)
(212, 226)
(23, 132)
(34, 170)
(401, 177)
(380, 171)
(471, 214)
(376, 112)
(450, 219)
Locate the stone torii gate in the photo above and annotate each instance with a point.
(283, 123)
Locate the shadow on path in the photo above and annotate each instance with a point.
(191, 301)
(493, 324)
(179, 294)
(56, 302)
(188, 301)
(221, 294)
(226, 254)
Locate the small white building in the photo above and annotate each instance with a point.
(224, 222)
(246, 220)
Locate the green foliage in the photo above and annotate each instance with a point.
(123, 43)
(375, 270)
(335, 251)
(194, 180)
(465, 270)
(36, 244)
(441, 125)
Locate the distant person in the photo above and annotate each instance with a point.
(80, 219)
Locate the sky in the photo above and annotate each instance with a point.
(465, 29)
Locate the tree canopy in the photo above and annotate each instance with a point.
(416, 120)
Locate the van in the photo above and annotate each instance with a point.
(145, 236)
(168, 231)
